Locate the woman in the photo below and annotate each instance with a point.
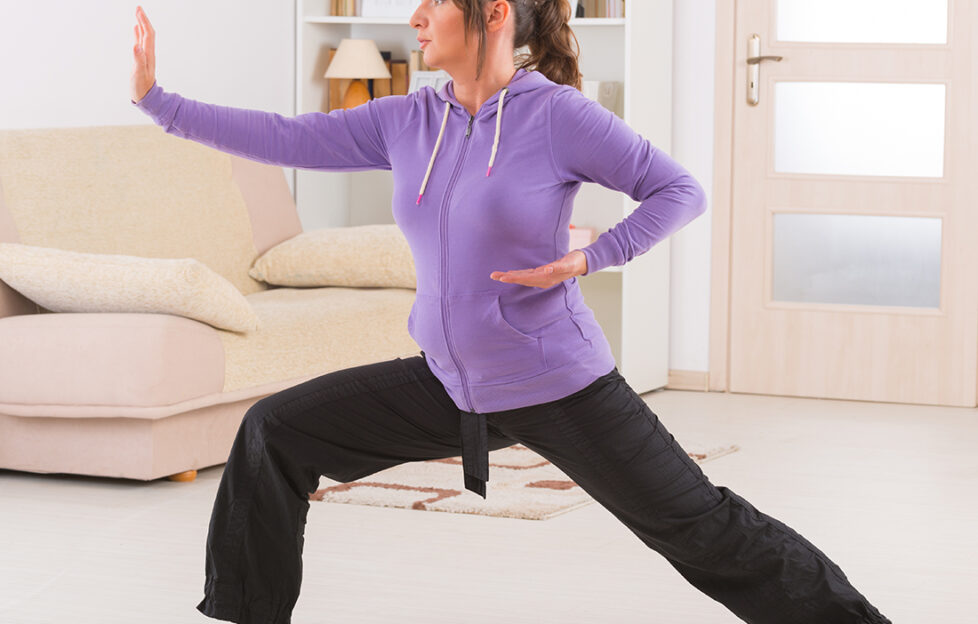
(485, 172)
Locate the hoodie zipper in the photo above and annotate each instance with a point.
(444, 269)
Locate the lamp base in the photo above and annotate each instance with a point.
(356, 94)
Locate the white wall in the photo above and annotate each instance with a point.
(694, 23)
(66, 63)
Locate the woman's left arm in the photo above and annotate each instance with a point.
(592, 144)
(589, 143)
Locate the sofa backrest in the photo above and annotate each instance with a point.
(135, 190)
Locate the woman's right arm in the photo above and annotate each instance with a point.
(341, 140)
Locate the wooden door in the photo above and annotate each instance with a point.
(854, 220)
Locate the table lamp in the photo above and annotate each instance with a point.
(356, 59)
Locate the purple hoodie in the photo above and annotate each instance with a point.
(473, 195)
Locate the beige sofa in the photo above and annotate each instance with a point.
(149, 395)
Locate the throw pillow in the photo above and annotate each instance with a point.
(361, 255)
(71, 281)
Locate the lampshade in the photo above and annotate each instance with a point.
(357, 58)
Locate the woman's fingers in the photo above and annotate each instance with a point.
(148, 33)
(138, 28)
(543, 276)
(149, 36)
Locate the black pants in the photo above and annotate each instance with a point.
(352, 423)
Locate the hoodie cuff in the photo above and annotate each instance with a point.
(601, 253)
(150, 103)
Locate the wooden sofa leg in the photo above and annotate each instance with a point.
(187, 475)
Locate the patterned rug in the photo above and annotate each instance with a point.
(522, 484)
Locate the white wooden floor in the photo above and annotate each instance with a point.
(889, 491)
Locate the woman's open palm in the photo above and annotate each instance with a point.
(571, 265)
(143, 57)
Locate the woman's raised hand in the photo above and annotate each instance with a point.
(143, 57)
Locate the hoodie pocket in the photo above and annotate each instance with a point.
(425, 326)
(488, 347)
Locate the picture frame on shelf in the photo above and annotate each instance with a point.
(433, 79)
(608, 93)
(388, 8)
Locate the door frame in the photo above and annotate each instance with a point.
(725, 59)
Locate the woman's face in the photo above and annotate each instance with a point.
(442, 24)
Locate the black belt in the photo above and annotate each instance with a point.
(475, 451)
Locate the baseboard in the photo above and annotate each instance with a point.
(689, 380)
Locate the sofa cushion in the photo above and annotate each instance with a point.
(307, 331)
(103, 364)
(356, 256)
(69, 281)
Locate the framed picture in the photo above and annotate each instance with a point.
(434, 79)
(387, 8)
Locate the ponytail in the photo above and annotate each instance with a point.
(540, 25)
(543, 26)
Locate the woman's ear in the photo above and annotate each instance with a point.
(497, 12)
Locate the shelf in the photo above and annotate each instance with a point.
(403, 21)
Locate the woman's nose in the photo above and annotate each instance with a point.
(415, 20)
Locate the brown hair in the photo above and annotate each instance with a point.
(541, 25)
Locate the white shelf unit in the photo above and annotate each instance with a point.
(631, 303)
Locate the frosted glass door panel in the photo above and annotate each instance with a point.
(862, 21)
(857, 259)
(859, 128)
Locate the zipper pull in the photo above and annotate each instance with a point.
(468, 129)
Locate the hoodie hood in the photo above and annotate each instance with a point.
(521, 82)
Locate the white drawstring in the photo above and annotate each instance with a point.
(499, 121)
(441, 133)
(431, 162)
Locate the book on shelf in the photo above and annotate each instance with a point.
(373, 8)
(601, 8)
(416, 62)
(344, 8)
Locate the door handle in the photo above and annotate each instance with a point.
(754, 67)
(757, 59)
